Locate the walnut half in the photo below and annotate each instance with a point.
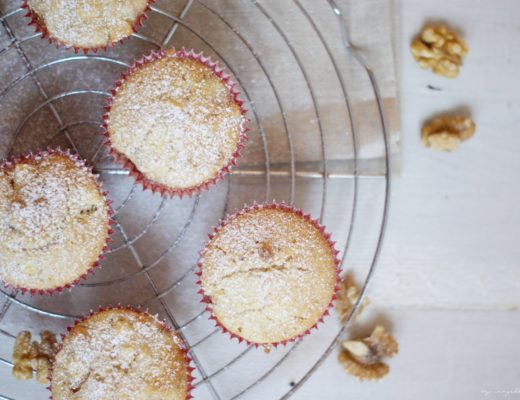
(440, 49)
(29, 356)
(362, 358)
(446, 133)
(347, 296)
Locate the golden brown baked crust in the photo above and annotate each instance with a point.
(269, 275)
(176, 121)
(120, 354)
(88, 23)
(54, 222)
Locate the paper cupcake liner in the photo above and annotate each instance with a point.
(127, 164)
(80, 163)
(184, 348)
(281, 206)
(39, 26)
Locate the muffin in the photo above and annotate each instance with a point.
(54, 221)
(121, 354)
(269, 274)
(175, 122)
(86, 24)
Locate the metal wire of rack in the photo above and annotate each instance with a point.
(274, 176)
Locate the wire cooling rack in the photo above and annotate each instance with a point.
(294, 73)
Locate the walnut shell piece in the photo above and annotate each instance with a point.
(439, 48)
(447, 132)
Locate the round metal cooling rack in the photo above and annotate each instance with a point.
(52, 97)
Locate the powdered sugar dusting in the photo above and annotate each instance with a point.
(176, 121)
(88, 23)
(269, 274)
(53, 221)
(120, 354)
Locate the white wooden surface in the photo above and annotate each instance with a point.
(449, 274)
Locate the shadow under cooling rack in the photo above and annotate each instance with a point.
(295, 66)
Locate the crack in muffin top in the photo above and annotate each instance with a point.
(269, 275)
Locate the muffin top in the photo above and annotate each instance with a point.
(176, 121)
(88, 23)
(120, 354)
(54, 221)
(269, 274)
